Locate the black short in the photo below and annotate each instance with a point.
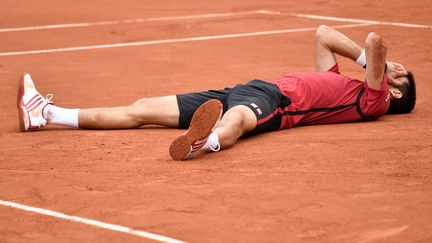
(263, 98)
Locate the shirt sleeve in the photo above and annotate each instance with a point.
(374, 102)
(334, 69)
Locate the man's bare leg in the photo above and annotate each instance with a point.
(36, 111)
(162, 111)
(235, 123)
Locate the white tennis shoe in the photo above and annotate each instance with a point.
(31, 105)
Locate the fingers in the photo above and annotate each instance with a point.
(393, 81)
(398, 73)
(400, 70)
(402, 73)
(396, 70)
(399, 66)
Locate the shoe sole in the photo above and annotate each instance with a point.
(201, 126)
(22, 114)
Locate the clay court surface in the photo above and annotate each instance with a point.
(361, 182)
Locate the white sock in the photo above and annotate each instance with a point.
(61, 116)
(212, 144)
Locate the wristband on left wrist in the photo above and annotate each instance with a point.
(361, 60)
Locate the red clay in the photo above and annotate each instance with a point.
(361, 182)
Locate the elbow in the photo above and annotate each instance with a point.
(321, 31)
(374, 41)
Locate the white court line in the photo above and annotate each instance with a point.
(91, 222)
(130, 21)
(212, 15)
(200, 16)
(364, 21)
(190, 39)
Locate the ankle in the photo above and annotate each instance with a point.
(61, 116)
(46, 112)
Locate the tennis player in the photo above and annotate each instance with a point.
(216, 119)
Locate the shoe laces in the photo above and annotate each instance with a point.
(49, 98)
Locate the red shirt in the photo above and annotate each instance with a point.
(329, 97)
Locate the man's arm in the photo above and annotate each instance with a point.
(328, 42)
(375, 59)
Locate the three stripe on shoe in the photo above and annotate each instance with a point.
(34, 102)
(197, 145)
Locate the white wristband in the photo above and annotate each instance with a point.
(361, 60)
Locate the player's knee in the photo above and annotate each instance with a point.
(135, 110)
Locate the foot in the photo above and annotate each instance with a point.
(31, 105)
(202, 124)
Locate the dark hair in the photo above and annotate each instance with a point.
(407, 102)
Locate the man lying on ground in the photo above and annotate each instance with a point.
(216, 119)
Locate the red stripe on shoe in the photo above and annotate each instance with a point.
(198, 145)
(35, 105)
(32, 99)
(33, 102)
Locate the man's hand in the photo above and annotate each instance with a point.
(394, 71)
